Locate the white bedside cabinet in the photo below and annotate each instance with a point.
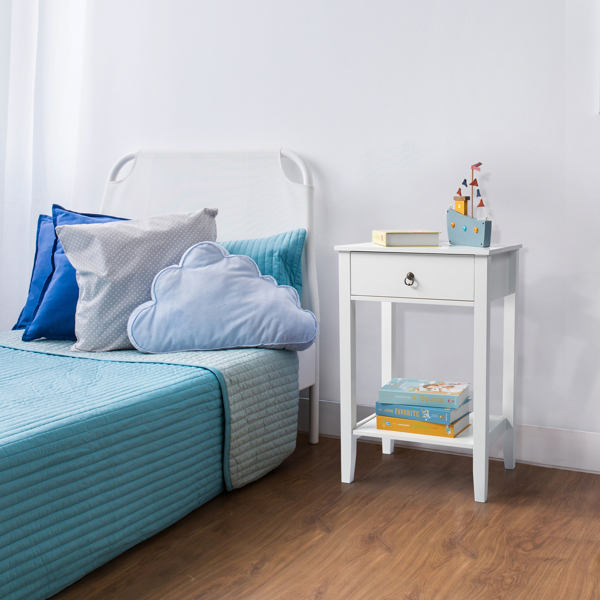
(447, 275)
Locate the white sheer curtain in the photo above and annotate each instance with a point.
(42, 49)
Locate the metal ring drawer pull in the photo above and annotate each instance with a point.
(411, 279)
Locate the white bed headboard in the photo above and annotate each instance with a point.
(254, 197)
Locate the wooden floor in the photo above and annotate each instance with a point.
(407, 528)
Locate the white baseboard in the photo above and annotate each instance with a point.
(543, 446)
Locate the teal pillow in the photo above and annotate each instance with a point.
(279, 256)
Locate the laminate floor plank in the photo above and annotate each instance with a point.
(407, 528)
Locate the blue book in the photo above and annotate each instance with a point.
(419, 392)
(446, 416)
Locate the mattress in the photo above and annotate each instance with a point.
(98, 453)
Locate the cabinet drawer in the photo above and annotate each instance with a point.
(435, 277)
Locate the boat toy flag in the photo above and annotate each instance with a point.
(476, 166)
(474, 182)
(459, 193)
(478, 193)
(464, 182)
(481, 204)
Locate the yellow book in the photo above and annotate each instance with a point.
(423, 427)
(406, 237)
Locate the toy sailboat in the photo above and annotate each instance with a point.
(463, 229)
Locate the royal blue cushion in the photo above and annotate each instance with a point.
(42, 267)
(54, 316)
(213, 300)
(279, 256)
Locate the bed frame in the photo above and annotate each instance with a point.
(193, 180)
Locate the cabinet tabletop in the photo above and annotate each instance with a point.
(443, 248)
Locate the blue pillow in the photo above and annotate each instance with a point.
(213, 300)
(279, 256)
(42, 267)
(54, 316)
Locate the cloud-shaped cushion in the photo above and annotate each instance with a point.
(213, 301)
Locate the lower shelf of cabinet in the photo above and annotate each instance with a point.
(368, 428)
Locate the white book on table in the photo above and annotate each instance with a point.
(406, 237)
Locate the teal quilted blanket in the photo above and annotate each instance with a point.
(101, 451)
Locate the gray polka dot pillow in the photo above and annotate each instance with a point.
(116, 264)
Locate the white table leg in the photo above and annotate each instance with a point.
(388, 356)
(481, 382)
(347, 371)
(509, 363)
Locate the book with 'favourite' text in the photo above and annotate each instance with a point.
(432, 414)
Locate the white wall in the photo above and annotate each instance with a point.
(390, 102)
(5, 18)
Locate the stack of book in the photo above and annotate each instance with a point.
(426, 407)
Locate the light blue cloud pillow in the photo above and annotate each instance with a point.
(213, 301)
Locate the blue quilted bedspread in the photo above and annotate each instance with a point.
(98, 455)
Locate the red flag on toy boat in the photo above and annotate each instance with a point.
(476, 166)
(474, 182)
(481, 204)
(459, 193)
